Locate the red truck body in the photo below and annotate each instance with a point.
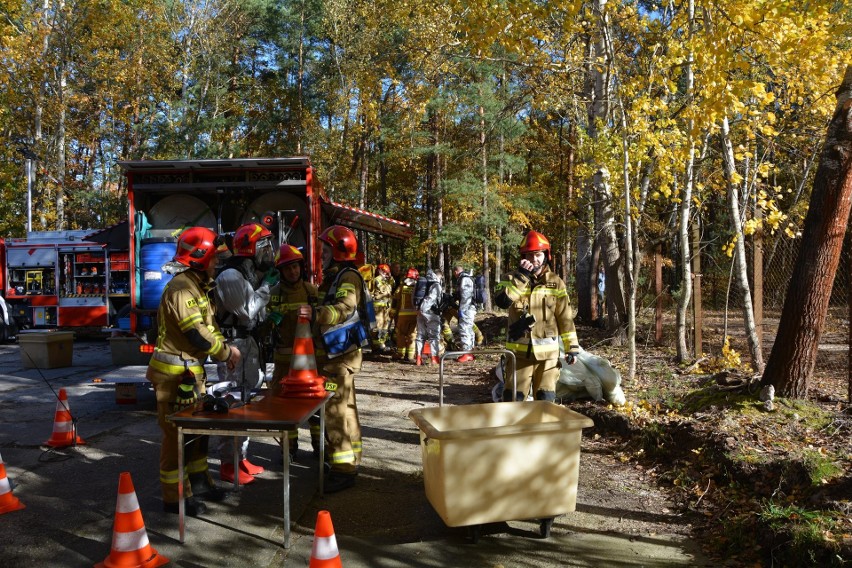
(167, 196)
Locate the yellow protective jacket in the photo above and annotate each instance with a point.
(285, 299)
(546, 298)
(186, 310)
(403, 298)
(382, 291)
(337, 309)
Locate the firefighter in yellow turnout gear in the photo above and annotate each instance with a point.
(187, 333)
(291, 293)
(382, 291)
(539, 314)
(405, 314)
(341, 296)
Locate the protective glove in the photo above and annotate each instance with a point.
(186, 390)
(275, 318)
(271, 278)
(571, 356)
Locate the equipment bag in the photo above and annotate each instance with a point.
(420, 290)
(354, 332)
(346, 336)
(479, 289)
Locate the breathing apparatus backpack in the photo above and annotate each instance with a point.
(420, 291)
(479, 289)
(354, 332)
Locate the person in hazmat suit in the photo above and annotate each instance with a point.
(242, 293)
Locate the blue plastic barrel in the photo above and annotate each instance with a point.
(155, 252)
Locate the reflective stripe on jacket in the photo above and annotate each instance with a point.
(546, 298)
(184, 307)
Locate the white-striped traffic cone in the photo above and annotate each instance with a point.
(130, 547)
(324, 553)
(64, 433)
(303, 381)
(8, 502)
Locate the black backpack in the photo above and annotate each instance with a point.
(420, 291)
(479, 289)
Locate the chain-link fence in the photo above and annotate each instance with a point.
(721, 298)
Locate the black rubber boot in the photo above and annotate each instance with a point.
(507, 396)
(203, 486)
(549, 396)
(338, 481)
(193, 507)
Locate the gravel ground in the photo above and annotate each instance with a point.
(384, 521)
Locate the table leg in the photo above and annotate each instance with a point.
(236, 463)
(322, 450)
(285, 450)
(181, 504)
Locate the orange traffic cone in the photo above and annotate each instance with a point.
(64, 432)
(130, 546)
(324, 553)
(8, 502)
(303, 381)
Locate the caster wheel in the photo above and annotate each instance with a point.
(546, 525)
(474, 532)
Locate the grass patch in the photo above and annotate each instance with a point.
(820, 467)
(808, 414)
(709, 398)
(810, 540)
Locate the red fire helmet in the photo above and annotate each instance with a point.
(246, 238)
(344, 245)
(196, 248)
(534, 242)
(288, 254)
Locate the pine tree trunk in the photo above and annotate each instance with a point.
(793, 355)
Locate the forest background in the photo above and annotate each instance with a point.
(625, 131)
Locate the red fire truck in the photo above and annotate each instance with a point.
(63, 279)
(166, 196)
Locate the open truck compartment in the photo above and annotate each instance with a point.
(167, 196)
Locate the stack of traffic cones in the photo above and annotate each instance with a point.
(303, 381)
(324, 553)
(130, 546)
(64, 431)
(8, 502)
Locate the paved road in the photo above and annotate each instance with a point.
(385, 521)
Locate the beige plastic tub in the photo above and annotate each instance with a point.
(485, 463)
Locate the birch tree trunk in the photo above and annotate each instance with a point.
(740, 263)
(39, 114)
(484, 152)
(62, 87)
(686, 213)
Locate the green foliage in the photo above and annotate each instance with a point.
(396, 103)
(819, 466)
(806, 530)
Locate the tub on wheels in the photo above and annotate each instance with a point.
(494, 462)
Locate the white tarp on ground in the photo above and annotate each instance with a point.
(590, 376)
